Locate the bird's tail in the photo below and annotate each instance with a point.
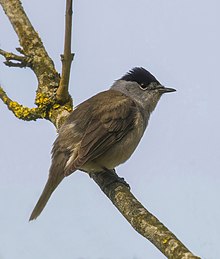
(47, 192)
(56, 175)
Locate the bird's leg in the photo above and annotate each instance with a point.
(115, 177)
(110, 177)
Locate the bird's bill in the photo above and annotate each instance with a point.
(166, 89)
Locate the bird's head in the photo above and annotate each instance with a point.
(145, 80)
(141, 85)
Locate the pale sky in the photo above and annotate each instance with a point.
(175, 170)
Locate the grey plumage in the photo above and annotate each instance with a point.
(103, 131)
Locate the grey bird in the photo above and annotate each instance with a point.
(103, 131)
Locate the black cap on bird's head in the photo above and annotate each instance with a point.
(140, 75)
(144, 78)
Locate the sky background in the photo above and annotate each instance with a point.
(174, 171)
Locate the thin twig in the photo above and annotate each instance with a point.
(67, 57)
(20, 111)
(23, 61)
(11, 56)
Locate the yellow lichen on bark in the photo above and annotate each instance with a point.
(20, 111)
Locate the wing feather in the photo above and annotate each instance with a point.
(110, 122)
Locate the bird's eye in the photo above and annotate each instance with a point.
(142, 86)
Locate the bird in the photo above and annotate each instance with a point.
(103, 131)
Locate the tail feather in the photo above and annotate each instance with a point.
(47, 192)
(56, 175)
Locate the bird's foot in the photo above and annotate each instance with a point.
(109, 177)
(115, 178)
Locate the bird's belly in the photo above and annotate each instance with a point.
(121, 152)
(118, 154)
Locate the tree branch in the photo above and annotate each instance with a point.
(48, 107)
(141, 220)
(67, 57)
(32, 46)
(41, 64)
(22, 60)
(20, 111)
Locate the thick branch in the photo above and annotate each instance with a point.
(141, 219)
(29, 40)
(32, 46)
(67, 57)
(40, 62)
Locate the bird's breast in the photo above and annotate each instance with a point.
(120, 151)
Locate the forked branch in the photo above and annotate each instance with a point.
(50, 89)
(21, 61)
(36, 57)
